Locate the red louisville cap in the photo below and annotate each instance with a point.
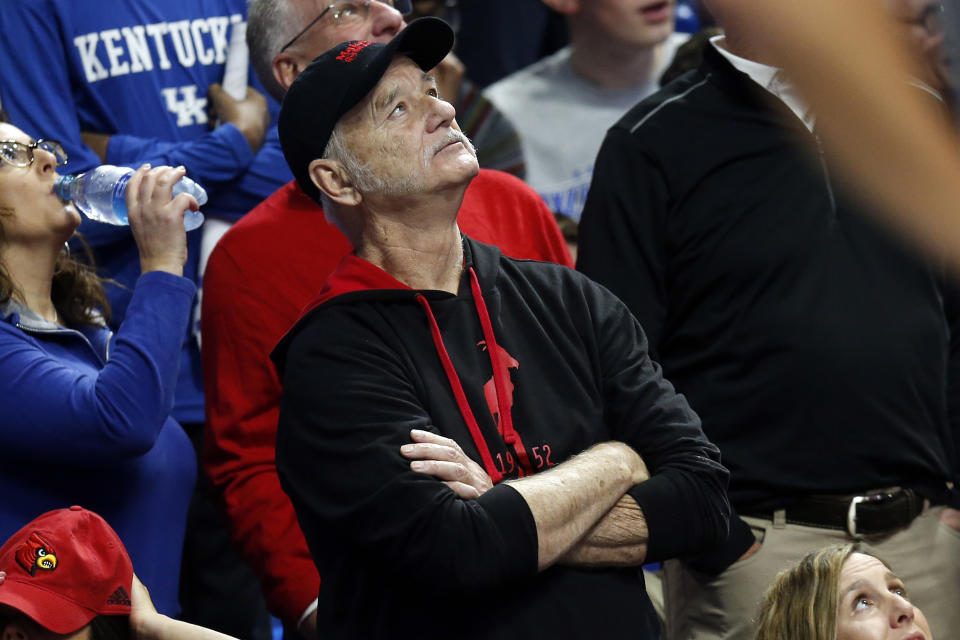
(64, 568)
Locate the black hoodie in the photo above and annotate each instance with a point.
(399, 553)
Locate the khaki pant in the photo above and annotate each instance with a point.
(926, 555)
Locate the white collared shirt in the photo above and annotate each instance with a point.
(772, 79)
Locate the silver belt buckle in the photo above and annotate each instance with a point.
(852, 516)
(852, 511)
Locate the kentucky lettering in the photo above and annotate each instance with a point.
(118, 52)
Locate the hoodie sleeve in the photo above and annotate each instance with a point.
(685, 501)
(348, 406)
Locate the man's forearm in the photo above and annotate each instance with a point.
(570, 499)
(618, 540)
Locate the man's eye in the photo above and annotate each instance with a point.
(432, 91)
(399, 109)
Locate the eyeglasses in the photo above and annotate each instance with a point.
(21, 155)
(350, 13)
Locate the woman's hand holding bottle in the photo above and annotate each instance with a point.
(156, 218)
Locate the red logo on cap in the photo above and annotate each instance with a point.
(353, 50)
(36, 554)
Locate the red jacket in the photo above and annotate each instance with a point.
(258, 279)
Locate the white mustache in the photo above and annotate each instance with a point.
(453, 136)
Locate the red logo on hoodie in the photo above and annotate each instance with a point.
(506, 362)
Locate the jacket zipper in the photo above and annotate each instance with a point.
(73, 332)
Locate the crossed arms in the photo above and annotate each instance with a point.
(581, 509)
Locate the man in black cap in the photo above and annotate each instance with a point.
(460, 432)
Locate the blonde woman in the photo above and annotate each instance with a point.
(838, 593)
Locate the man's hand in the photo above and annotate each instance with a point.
(618, 540)
(443, 458)
(249, 115)
(951, 518)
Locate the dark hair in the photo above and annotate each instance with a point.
(102, 627)
(110, 628)
(77, 292)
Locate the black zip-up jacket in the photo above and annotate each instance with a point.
(813, 343)
(400, 555)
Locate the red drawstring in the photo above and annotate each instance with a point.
(510, 435)
(461, 397)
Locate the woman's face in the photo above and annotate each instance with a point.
(874, 604)
(30, 212)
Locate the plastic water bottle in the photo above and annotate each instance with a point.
(99, 194)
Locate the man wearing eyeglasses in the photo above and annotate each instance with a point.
(271, 263)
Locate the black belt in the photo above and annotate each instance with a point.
(868, 514)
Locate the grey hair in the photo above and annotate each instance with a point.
(267, 31)
(364, 180)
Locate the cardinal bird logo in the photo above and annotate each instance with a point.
(36, 554)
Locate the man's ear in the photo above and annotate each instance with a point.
(286, 68)
(566, 7)
(330, 177)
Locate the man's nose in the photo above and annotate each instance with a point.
(442, 114)
(386, 22)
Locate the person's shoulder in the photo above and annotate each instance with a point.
(268, 220)
(667, 107)
(523, 83)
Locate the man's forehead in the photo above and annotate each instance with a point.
(327, 35)
(401, 70)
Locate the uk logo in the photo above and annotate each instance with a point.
(353, 50)
(183, 101)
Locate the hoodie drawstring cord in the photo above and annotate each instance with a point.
(510, 435)
(459, 395)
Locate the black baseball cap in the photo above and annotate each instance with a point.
(340, 79)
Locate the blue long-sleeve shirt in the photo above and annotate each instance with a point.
(139, 71)
(85, 419)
